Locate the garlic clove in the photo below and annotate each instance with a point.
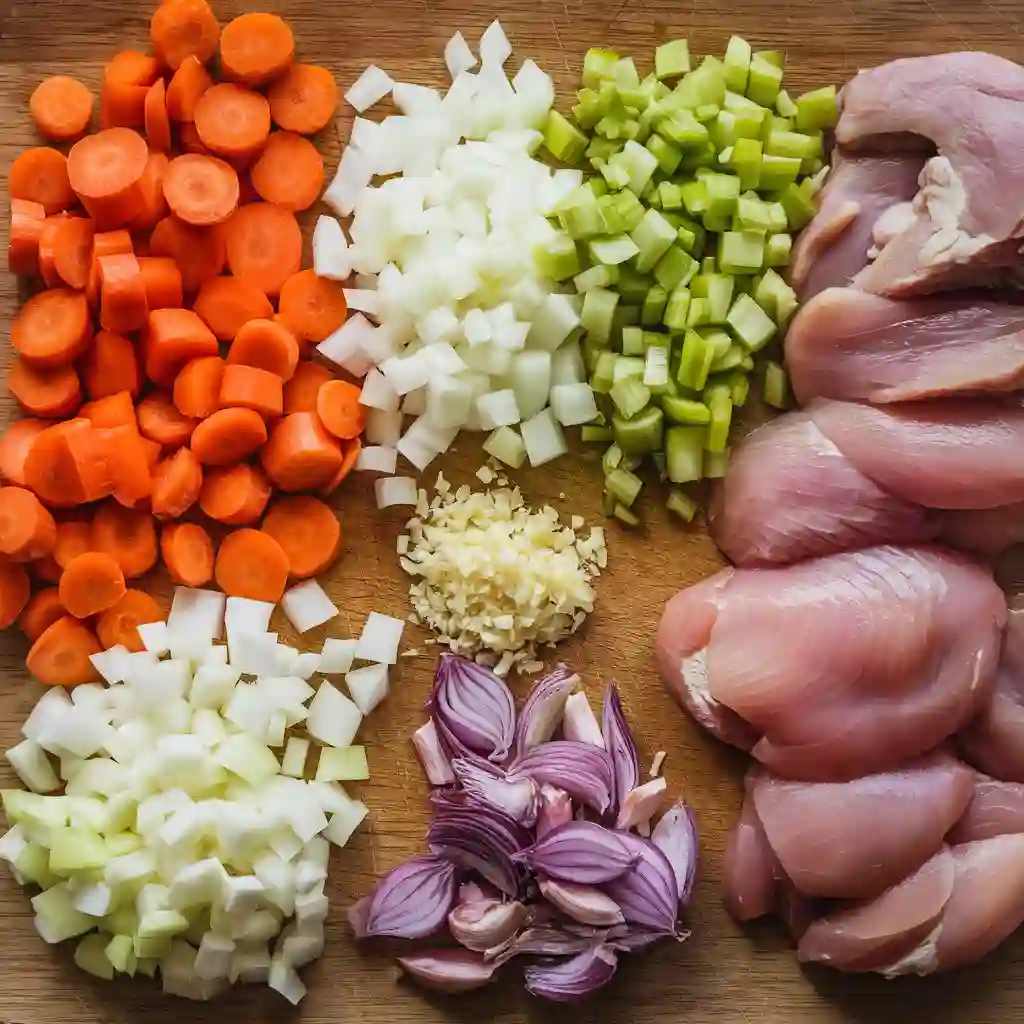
(641, 803)
(448, 970)
(484, 924)
(582, 903)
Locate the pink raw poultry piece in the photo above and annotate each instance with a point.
(996, 809)
(749, 867)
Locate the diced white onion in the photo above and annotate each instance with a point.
(377, 459)
(154, 637)
(307, 606)
(573, 404)
(368, 686)
(362, 300)
(333, 718)
(543, 438)
(458, 57)
(337, 655)
(395, 490)
(384, 428)
(199, 613)
(379, 640)
(330, 250)
(498, 409)
(495, 48)
(369, 88)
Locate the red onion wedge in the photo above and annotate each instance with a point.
(554, 809)
(542, 713)
(583, 771)
(410, 902)
(475, 706)
(677, 837)
(619, 743)
(581, 852)
(515, 797)
(573, 979)
(646, 892)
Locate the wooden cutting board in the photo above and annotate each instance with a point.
(723, 973)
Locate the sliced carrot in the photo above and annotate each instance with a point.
(27, 530)
(48, 236)
(132, 67)
(61, 107)
(73, 538)
(313, 307)
(120, 625)
(91, 583)
(300, 392)
(128, 459)
(52, 328)
(46, 393)
(337, 405)
(49, 467)
(41, 175)
(123, 306)
(122, 104)
(228, 303)
(46, 570)
(188, 137)
(187, 551)
(300, 454)
(176, 485)
(187, 85)
(158, 124)
(308, 532)
(153, 452)
(303, 99)
(162, 281)
(236, 495)
(151, 187)
(268, 345)
(264, 245)
(60, 655)
(72, 250)
(110, 366)
(105, 243)
(249, 387)
(232, 121)
(197, 387)
(349, 457)
(199, 252)
(161, 422)
(41, 612)
(174, 337)
(106, 170)
(201, 190)
(128, 535)
(305, 347)
(229, 435)
(87, 449)
(15, 443)
(256, 48)
(182, 29)
(27, 220)
(289, 172)
(251, 564)
(14, 592)
(111, 411)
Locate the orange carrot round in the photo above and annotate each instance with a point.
(197, 387)
(160, 421)
(303, 99)
(349, 456)
(157, 123)
(46, 393)
(199, 252)
(48, 237)
(105, 170)
(172, 338)
(119, 625)
(152, 450)
(153, 206)
(228, 303)
(187, 85)
(268, 345)
(308, 532)
(188, 137)
(337, 405)
(176, 485)
(91, 583)
(72, 251)
(60, 655)
(249, 387)
(289, 172)
(181, 29)
(14, 593)
(41, 612)
(122, 104)
(162, 281)
(41, 175)
(300, 455)
(251, 564)
(128, 461)
(128, 535)
(256, 48)
(27, 530)
(104, 243)
(50, 470)
(187, 551)
(87, 452)
(132, 67)
(110, 411)
(46, 570)
(201, 190)
(229, 435)
(236, 495)
(27, 220)
(52, 328)
(264, 245)
(300, 392)
(73, 538)
(313, 307)
(15, 443)
(123, 306)
(232, 121)
(61, 107)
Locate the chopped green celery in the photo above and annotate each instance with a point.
(737, 103)
(799, 205)
(675, 268)
(603, 375)
(715, 464)
(580, 215)
(612, 127)
(589, 110)
(649, 192)
(562, 139)
(719, 340)
(707, 112)
(628, 366)
(791, 144)
(624, 74)
(777, 250)
(667, 155)
(592, 434)
(633, 286)
(602, 149)
(717, 222)
(637, 163)
(616, 176)
(723, 192)
(731, 359)
(700, 313)
(777, 221)
(639, 435)
(677, 309)
(73, 850)
(657, 339)
(653, 198)
(672, 59)
(777, 172)
(745, 160)
(623, 485)
(817, 110)
(613, 250)
(703, 85)
(622, 211)
(612, 459)
(685, 410)
(683, 129)
(632, 341)
(625, 514)
(695, 360)
(671, 196)
(557, 258)
(708, 265)
(812, 166)
(720, 288)
(630, 396)
(625, 316)
(774, 57)
(684, 453)
(775, 296)
(608, 504)
(593, 349)
(598, 312)
(691, 237)
(720, 404)
(764, 81)
(597, 66)
(653, 308)
(753, 327)
(653, 235)
(656, 368)
(695, 197)
(704, 156)
(752, 214)
(775, 391)
(785, 106)
(596, 277)
(740, 252)
(737, 64)
(739, 388)
(598, 186)
(682, 505)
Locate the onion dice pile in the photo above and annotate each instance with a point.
(538, 846)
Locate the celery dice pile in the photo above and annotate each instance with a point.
(678, 245)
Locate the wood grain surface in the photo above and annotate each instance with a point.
(723, 974)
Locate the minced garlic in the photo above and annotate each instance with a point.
(497, 578)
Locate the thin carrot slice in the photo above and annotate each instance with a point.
(151, 187)
(152, 450)
(61, 107)
(158, 124)
(111, 411)
(48, 236)
(197, 387)
(188, 137)
(228, 303)
(46, 393)
(133, 67)
(307, 530)
(128, 535)
(105, 170)
(123, 306)
(105, 243)
(73, 538)
(349, 457)
(15, 443)
(303, 99)
(162, 281)
(161, 422)
(172, 338)
(229, 435)
(120, 625)
(87, 448)
(52, 329)
(232, 121)
(300, 392)
(289, 172)
(186, 87)
(249, 387)
(60, 656)
(236, 495)
(27, 530)
(256, 48)
(50, 469)
(313, 307)
(264, 245)
(187, 551)
(41, 612)
(199, 252)
(91, 583)
(46, 570)
(182, 29)
(201, 190)
(72, 256)
(27, 220)
(128, 459)
(251, 564)
(41, 175)
(176, 485)
(14, 592)
(337, 405)
(110, 367)
(300, 454)
(268, 345)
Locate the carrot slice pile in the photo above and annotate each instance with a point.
(187, 551)
(256, 48)
(105, 170)
(264, 245)
(91, 583)
(72, 244)
(155, 117)
(201, 190)
(197, 387)
(182, 29)
(15, 443)
(60, 655)
(152, 205)
(61, 107)
(307, 530)
(47, 393)
(120, 623)
(123, 305)
(249, 387)
(41, 175)
(27, 530)
(161, 279)
(127, 535)
(199, 252)
(186, 86)
(160, 421)
(227, 304)
(300, 454)
(228, 436)
(236, 495)
(268, 345)
(41, 612)
(52, 329)
(27, 221)
(300, 393)
(173, 337)
(313, 307)
(176, 485)
(289, 173)
(251, 564)
(232, 121)
(303, 99)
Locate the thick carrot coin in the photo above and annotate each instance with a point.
(73, 538)
(123, 306)
(289, 172)
(249, 387)
(197, 387)
(46, 570)
(52, 329)
(188, 138)
(120, 625)
(313, 307)
(158, 124)
(251, 564)
(303, 99)
(182, 29)
(132, 67)
(349, 457)
(72, 251)
(48, 236)
(162, 280)
(200, 253)
(128, 535)
(337, 405)
(228, 303)
(201, 190)
(27, 530)
(256, 48)
(14, 593)
(187, 551)
(15, 443)
(41, 175)
(151, 189)
(172, 338)
(60, 656)
(128, 459)
(228, 436)
(187, 85)
(105, 243)
(300, 455)
(236, 495)
(153, 452)
(27, 220)
(232, 121)
(160, 421)
(105, 170)
(122, 104)
(46, 393)
(50, 470)
(176, 485)
(111, 411)
(87, 450)
(61, 107)
(268, 345)
(41, 612)
(308, 532)
(264, 245)
(301, 391)
(91, 583)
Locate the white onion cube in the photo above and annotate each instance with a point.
(307, 606)
(379, 641)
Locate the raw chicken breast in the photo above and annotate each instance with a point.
(850, 345)
(844, 665)
(987, 531)
(996, 809)
(969, 212)
(749, 868)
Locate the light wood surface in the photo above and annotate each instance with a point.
(724, 973)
